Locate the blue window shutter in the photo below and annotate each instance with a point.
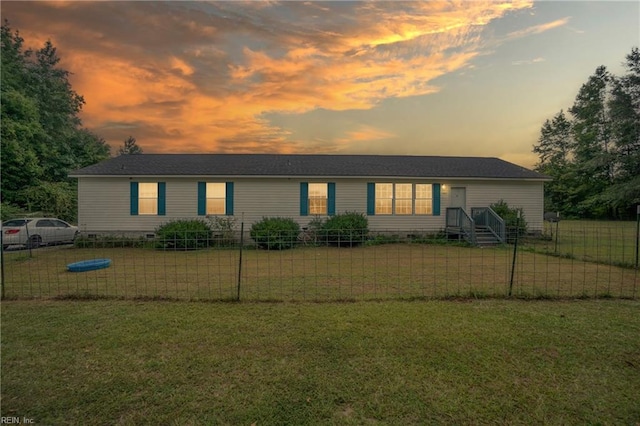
(162, 198)
(228, 207)
(202, 198)
(304, 199)
(331, 198)
(134, 199)
(435, 193)
(371, 198)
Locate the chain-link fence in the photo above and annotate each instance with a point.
(570, 259)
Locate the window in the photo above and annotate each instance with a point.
(318, 198)
(216, 198)
(403, 199)
(384, 198)
(16, 222)
(424, 199)
(147, 198)
(44, 223)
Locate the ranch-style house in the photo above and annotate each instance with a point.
(137, 193)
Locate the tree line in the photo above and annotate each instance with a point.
(42, 138)
(592, 152)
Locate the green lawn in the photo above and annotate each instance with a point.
(436, 362)
(389, 271)
(595, 241)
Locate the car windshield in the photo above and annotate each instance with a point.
(16, 222)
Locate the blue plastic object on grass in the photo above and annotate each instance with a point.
(89, 265)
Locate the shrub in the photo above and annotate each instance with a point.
(311, 234)
(346, 229)
(510, 217)
(11, 211)
(223, 231)
(275, 233)
(183, 235)
(316, 224)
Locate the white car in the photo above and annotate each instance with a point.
(33, 232)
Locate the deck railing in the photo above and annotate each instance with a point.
(489, 219)
(459, 219)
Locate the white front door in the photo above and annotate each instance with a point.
(458, 197)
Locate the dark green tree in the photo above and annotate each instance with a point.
(624, 107)
(593, 155)
(554, 150)
(42, 138)
(631, 80)
(594, 162)
(20, 127)
(129, 146)
(20, 133)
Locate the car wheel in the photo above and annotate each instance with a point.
(34, 241)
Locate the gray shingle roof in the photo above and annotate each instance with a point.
(308, 166)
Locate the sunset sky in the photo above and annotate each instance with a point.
(462, 78)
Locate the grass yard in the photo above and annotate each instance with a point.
(395, 362)
(388, 271)
(595, 241)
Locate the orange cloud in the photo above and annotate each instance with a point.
(537, 29)
(365, 134)
(202, 79)
(182, 66)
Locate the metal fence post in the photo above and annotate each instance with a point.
(1, 267)
(240, 259)
(515, 250)
(637, 232)
(26, 228)
(555, 250)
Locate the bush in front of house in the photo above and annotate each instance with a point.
(185, 234)
(223, 231)
(510, 216)
(346, 229)
(275, 233)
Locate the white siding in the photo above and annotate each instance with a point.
(104, 203)
(526, 195)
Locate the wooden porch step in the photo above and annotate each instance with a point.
(485, 238)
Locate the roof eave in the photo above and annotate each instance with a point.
(209, 176)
